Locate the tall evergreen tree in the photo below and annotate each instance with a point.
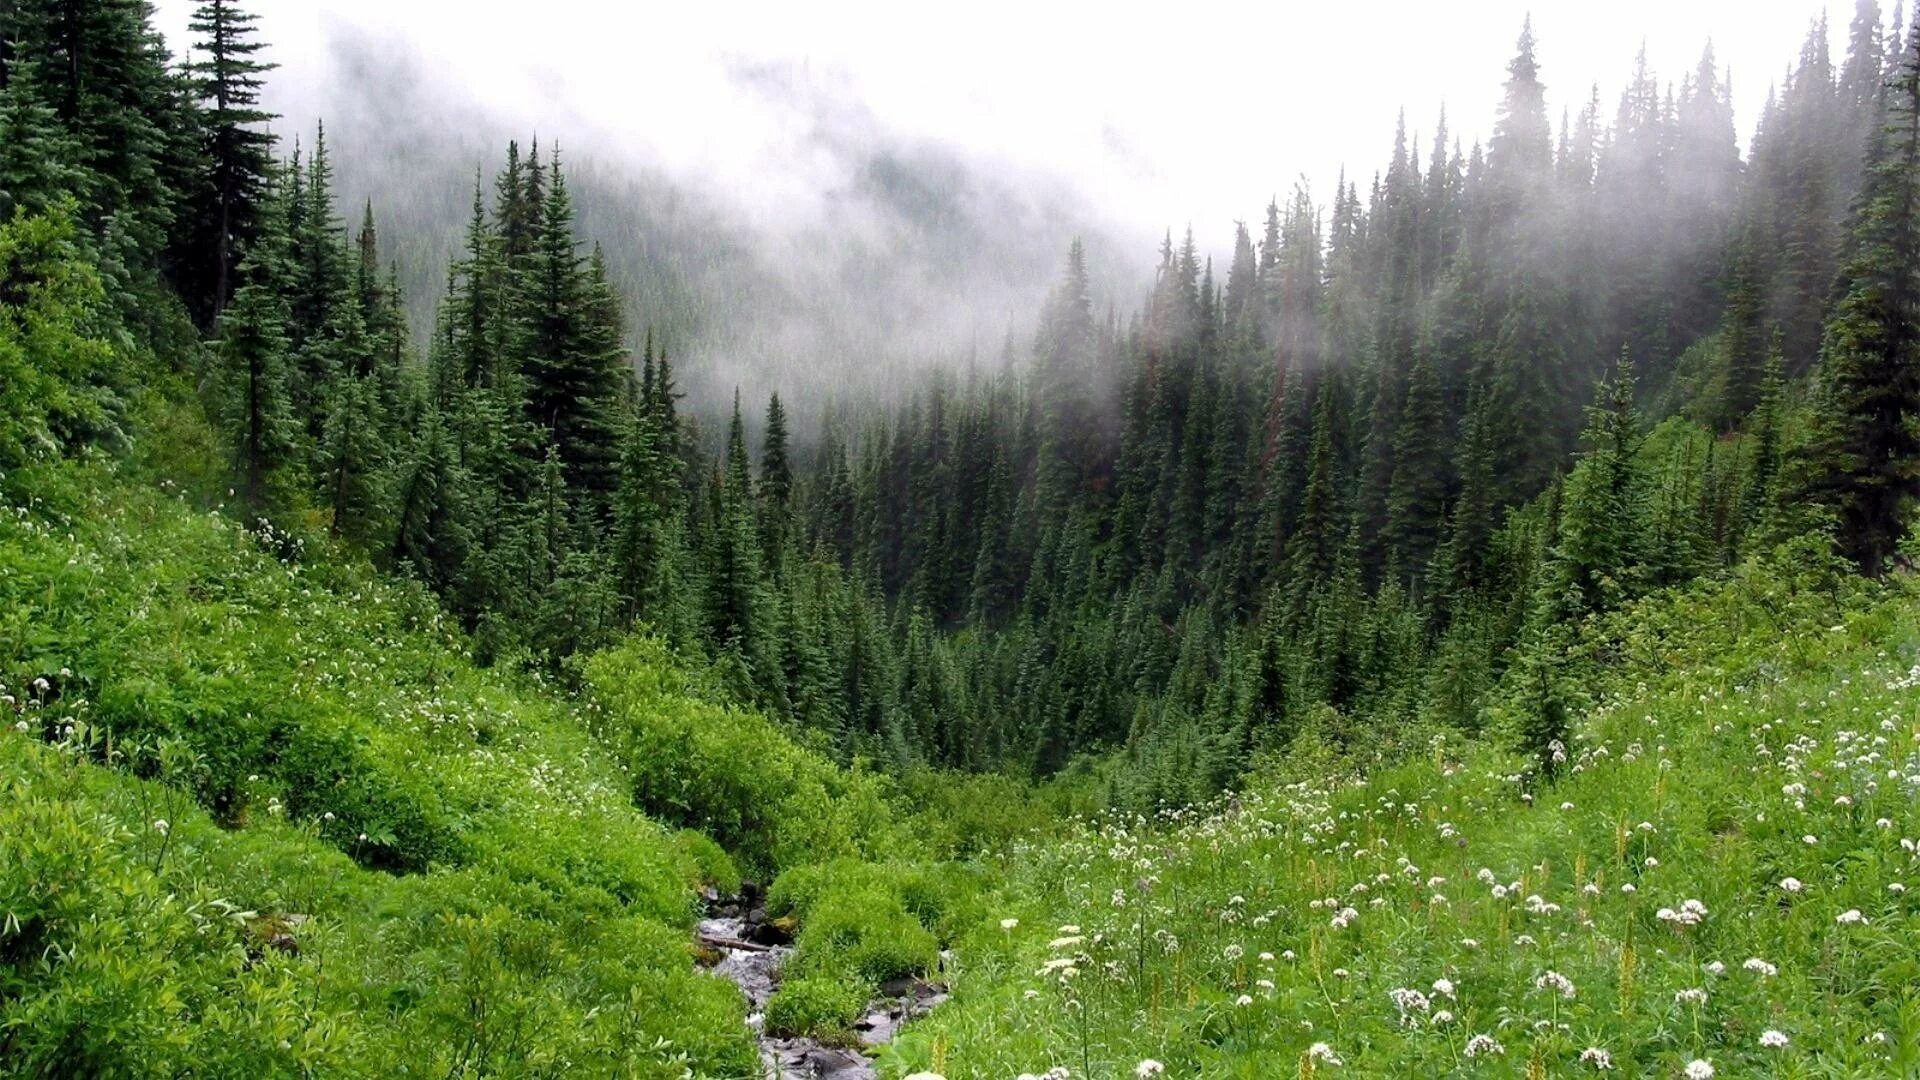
(1866, 443)
(236, 150)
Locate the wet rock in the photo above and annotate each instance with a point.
(773, 932)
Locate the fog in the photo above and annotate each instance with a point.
(790, 194)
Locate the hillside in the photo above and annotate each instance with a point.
(1722, 875)
(265, 818)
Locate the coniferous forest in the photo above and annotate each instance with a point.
(397, 702)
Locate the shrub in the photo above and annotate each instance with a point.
(732, 775)
(822, 1006)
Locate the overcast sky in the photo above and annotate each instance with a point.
(1191, 112)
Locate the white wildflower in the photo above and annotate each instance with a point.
(1483, 1044)
(1324, 1054)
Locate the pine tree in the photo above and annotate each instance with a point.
(252, 389)
(432, 535)
(236, 148)
(1417, 503)
(1741, 342)
(1866, 445)
(573, 364)
(1764, 430)
(37, 157)
(1599, 544)
(104, 72)
(776, 485)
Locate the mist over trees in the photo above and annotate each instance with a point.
(1385, 453)
(914, 256)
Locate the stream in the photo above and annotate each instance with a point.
(750, 951)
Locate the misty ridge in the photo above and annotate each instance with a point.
(913, 257)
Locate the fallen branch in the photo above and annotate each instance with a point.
(732, 943)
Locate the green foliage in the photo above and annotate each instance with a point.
(824, 1006)
(332, 726)
(711, 862)
(730, 774)
(58, 360)
(1729, 819)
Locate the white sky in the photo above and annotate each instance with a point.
(1186, 113)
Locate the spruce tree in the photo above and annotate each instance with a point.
(776, 484)
(253, 394)
(1866, 444)
(37, 157)
(236, 149)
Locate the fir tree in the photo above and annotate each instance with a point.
(236, 148)
(1866, 446)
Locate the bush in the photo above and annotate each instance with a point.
(822, 1006)
(56, 361)
(732, 775)
(709, 860)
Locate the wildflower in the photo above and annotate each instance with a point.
(1408, 1000)
(1597, 1058)
(1149, 1067)
(1715, 967)
(1483, 1044)
(1008, 924)
(1243, 1000)
(1443, 986)
(1810, 839)
(1697, 1069)
(1692, 995)
(1760, 967)
(1324, 1054)
(926, 1076)
(1791, 884)
(1067, 942)
(161, 826)
(1555, 982)
(1232, 952)
(1850, 917)
(1773, 1040)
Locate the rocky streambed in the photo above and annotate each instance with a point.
(739, 943)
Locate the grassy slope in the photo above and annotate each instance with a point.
(481, 894)
(1742, 734)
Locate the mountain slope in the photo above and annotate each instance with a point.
(347, 850)
(1720, 874)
